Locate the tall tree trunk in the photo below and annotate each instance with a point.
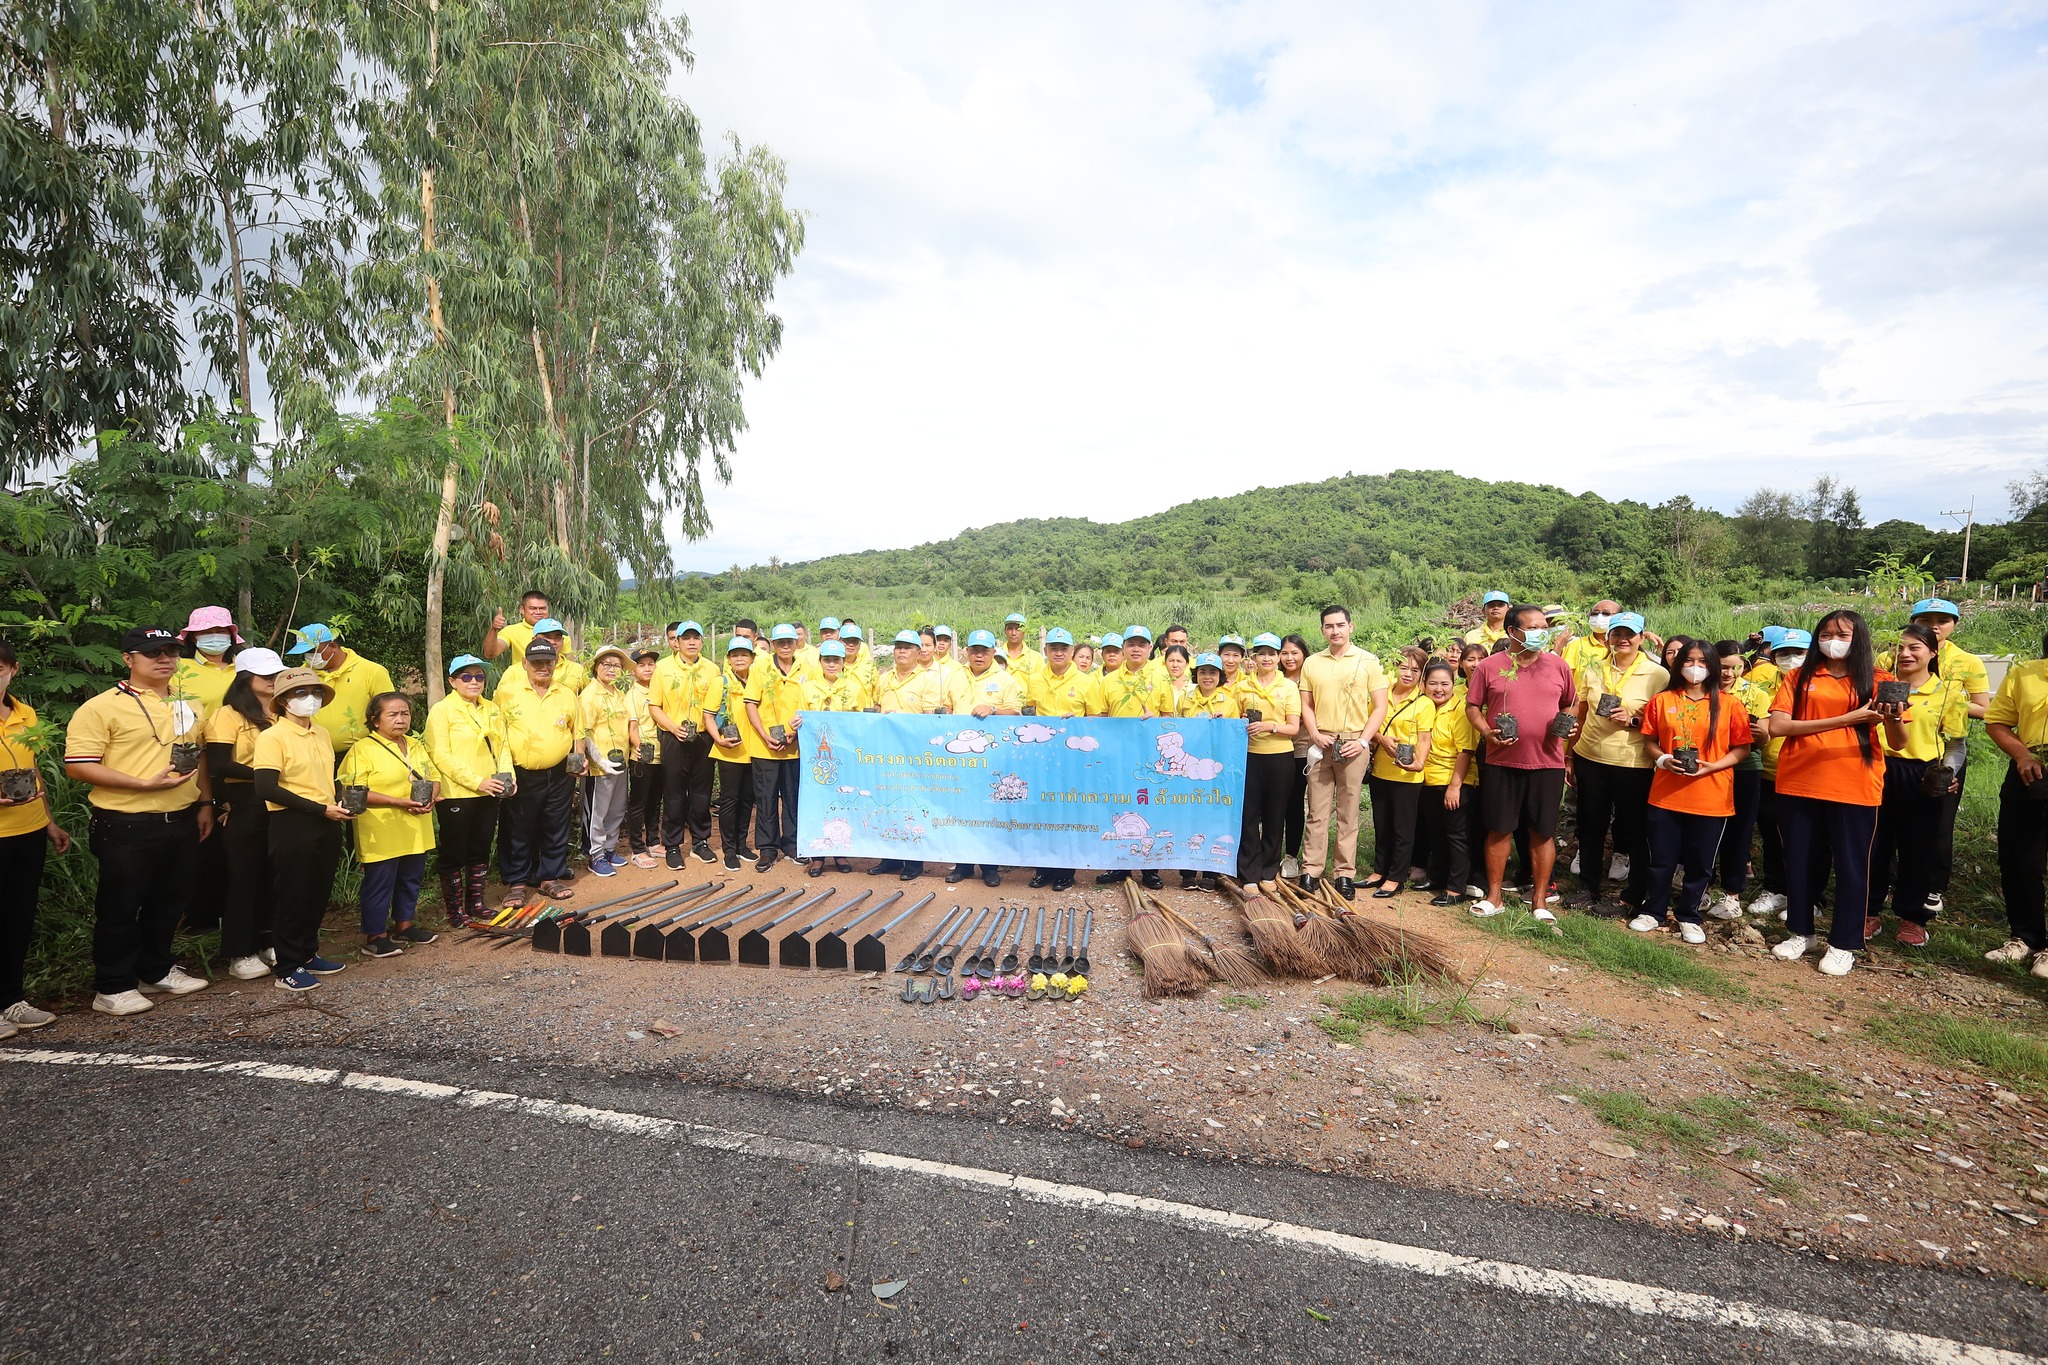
(444, 516)
(245, 610)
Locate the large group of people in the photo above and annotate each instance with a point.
(1795, 759)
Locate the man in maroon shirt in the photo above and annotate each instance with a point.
(1531, 690)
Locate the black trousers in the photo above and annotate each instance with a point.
(467, 826)
(735, 804)
(245, 910)
(1908, 830)
(1296, 823)
(21, 880)
(1740, 832)
(1440, 836)
(1945, 836)
(645, 788)
(210, 879)
(1395, 807)
(1770, 840)
(533, 827)
(775, 787)
(2022, 859)
(304, 851)
(146, 864)
(1620, 796)
(1836, 831)
(1680, 838)
(1267, 780)
(686, 773)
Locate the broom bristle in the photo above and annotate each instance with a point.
(1235, 965)
(1167, 968)
(1391, 952)
(1273, 933)
(1321, 936)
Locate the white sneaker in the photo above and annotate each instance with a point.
(1728, 907)
(176, 982)
(2040, 967)
(121, 1002)
(269, 956)
(1645, 924)
(1575, 864)
(2013, 950)
(1838, 961)
(1692, 933)
(1485, 909)
(1617, 870)
(23, 1015)
(7, 1030)
(1769, 903)
(1793, 948)
(1474, 893)
(1290, 867)
(1543, 915)
(248, 968)
(1932, 905)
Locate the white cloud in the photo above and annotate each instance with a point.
(1648, 252)
(1085, 743)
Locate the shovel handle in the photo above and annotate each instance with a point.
(1086, 930)
(821, 920)
(939, 930)
(923, 901)
(800, 907)
(1001, 920)
(710, 909)
(956, 951)
(584, 913)
(877, 909)
(755, 907)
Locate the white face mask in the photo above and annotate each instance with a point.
(1835, 647)
(1695, 673)
(303, 706)
(1792, 663)
(1598, 621)
(213, 644)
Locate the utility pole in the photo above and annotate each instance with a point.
(1969, 520)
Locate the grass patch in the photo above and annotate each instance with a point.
(1618, 951)
(1241, 1002)
(1695, 1125)
(2004, 1054)
(1816, 1099)
(1408, 1005)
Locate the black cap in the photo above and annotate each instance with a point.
(541, 652)
(147, 640)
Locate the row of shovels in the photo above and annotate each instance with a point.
(700, 924)
(940, 953)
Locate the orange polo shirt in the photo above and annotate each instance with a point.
(1829, 766)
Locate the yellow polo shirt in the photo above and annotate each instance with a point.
(847, 692)
(467, 744)
(1959, 664)
(1219, 704)
(1483, 634)
(602, 714)
(16, 752)
(1581, 650)
(386, 832)
(203, 682)
(131, 732)
(540, 728)
(994, 688)
(686, 692)
(1168, 696)
(920, 692)
(354, 683)
(636, 711)
(1072, 693)
(1939, 712)
(733, 703)
(302, 757)
(1450, 734)
(1127, 694)
(229, 726)
(2021, 703)
(516, 637)
(1276, 702)
(778, 696)
(1408, 720)
(1611, 741)
(1025, 664)
(1340, 689)
(568, 673)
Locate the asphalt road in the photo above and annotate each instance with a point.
(301, 1214)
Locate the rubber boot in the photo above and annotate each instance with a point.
(474, 880)
(453, 900)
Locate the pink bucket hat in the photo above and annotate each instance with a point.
(211, 618)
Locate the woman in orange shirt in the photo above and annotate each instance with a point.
(1831, 781)
(1696, 739)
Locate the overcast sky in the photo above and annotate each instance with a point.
(1099, 259)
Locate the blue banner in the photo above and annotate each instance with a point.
(1022, 790)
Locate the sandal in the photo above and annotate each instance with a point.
(515, 898)
(1036, 990)
(557, 891)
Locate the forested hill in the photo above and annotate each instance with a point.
(1520, 535)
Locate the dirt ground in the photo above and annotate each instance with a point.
(1803, 1128)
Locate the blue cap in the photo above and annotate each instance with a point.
(946, 631)
(1793, 639)
(1237, 640)
(1214, 661)
(1015, 618)
(1059, 635)
(738, 643)
(911, 638)
(981, 639)
(851, 633)
(310, 638)
(462, 661)
(685, 627)
(784, 631)
(1936, 606)
(829, 623)
(1140, 632)
(1112, 641)
(1498, 596)
(1625, 620)
(1265, 639)
(831, 649)
(548, 625)
(1772, 635)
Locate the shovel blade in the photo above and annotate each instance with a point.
(615, 941)
(576, 940)
(870, 955)
(831, 951)
(754, 949)
(681, 947)
(647, 944)
(547, 936)
(796, 951)
(714, 946)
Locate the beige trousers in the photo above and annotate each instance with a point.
(1334, 783)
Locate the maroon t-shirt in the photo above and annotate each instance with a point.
(1533, 693)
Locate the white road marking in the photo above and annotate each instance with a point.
(1565, 1286)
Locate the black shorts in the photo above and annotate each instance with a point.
(1513, 799)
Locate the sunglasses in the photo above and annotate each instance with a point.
(166, 652)
(469, 677)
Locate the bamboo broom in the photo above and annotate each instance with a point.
(1226, 962)
(1319, 931)
(1387, 949)
(1272, 932)
(1158, 945)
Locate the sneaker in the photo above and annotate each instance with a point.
(675, 859)
(324, 966)
(300, 980)
(23, 1015)
(601, 866)
(1692, 933)
(122, 1002)
(1838, 961)
(1932, 905)
(1872, 927)
(732, 862)
(702, 853)
(2040, 967)
(412, 933)
(2013, 950)
(1645, 924)
(645, 860)
(1617, 870)
(748, 854)
(1910, 935)
(1728, 907)
(1769, 903)
(269, 956)
(175, 982)
(1290, 867)
(8, 1030)
(382, 946)
(1484, 908)
(248, 968)
(1793, 948)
